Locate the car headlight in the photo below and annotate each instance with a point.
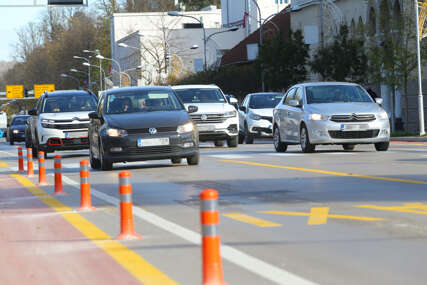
(186, 128)
(318, 117)
(254, 116)
(382, 116)
(15, 131)
(230, 114)
(116, 132)
(47, 123)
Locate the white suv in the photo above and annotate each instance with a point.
(216, 119)
(60, 121)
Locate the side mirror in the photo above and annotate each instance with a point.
(233, 101)
(294, 103)
(93, 115)
(379, 101)
(32, 112)
(192, 109)
(242, 108)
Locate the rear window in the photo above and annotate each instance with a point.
(69, 103)
(265, 101)
(201, 95)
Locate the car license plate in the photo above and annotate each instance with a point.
(71, 135)
(206, 128)
(354, 127)
(153, 142)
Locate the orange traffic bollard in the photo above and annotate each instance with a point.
(126, 216)
(211, 256)
(20, 160)
(30, 169)
(42, 169)
(85, 200)
(58, 175)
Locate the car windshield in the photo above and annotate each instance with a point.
(19, 120)
(70, 103)
(336, 94)
(264, 101)
(201, 95)
(142, 101)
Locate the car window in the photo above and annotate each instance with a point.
(19, 121)
(101, 105)
(201, 95)
(298, 96)
(245, 101)
(290, 96)
(336, 94)
(69, 103)
(264, 101)
(142, 101)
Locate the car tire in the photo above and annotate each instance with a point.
(105, 163)
(194, 159)
(278, 144)
(219, 143)
(306, 146)
(176, 160)
(35, 151)
(249, 137)
(382, 146)
(94, 163)
(241, 138)
(349, 147)
(233, 141)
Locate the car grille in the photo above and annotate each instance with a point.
(75, 141)
(153, 150)
(69, 126)
(353, 118)
(210, 119)
(270, 119)
(146, 130)
(354, 134)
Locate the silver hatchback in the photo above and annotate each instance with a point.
(322, 113)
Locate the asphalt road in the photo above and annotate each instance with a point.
(330, 217)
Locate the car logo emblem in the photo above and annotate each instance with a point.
(152, 131)
(204, 117)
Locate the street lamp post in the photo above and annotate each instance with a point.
(100, 67)
(87, 60)
(79, 71)
(118, 65)
(102, 73)
(63, 75)
(420, 83)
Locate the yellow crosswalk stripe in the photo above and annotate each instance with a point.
(318, 216)
(413, 208)
(251, 220)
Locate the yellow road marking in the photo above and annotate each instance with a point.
(318, 216)
(329, 172)
(3, 164)
(132, 262)
(414, 208)
(251, 220)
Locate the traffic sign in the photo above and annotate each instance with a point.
(14, 91)
(40, 88)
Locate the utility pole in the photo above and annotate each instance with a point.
(420, 82)
(321, 24)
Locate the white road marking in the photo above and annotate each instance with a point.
(253, 264)
(229, 156)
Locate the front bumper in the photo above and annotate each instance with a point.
(54, 139)
(261, 128)
(123, 149)
(328, 132)
(219, 131)
(19, 137)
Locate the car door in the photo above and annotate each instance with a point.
(294, 116)
(282, 114)
(94, 128)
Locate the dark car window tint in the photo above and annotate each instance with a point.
(336, 94)
(19, 120)
(201, 95)
(70, 103)
(263, 101)
(142, 101)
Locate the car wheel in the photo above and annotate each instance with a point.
(233, 141)
(176, 160)
(382, 146)
(306, 146)
(249, 137)
(348, 146)
(241, 138)
(106, 164)
(35, 151)
(194, 159)
(219, 143)
(278, 144)
(94, 163)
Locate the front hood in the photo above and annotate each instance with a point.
(263, 112)
(65, 116)
(17, 127)
(212, 108)
(344, 108)
(142, 120)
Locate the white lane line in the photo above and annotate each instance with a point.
(253, 264)
(229, 156)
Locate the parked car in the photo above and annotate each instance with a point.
(141, 123)
(313, 114)
(60, 121)
(256, 115)
(16, 130)
(216, 119)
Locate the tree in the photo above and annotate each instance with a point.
(283, 61)
(343, 59)
(196, 5)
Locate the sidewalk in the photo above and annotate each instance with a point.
(409, 139)
(40, 247)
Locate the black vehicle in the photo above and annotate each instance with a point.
(141, 123)
(16, 130)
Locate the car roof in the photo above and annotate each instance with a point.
(68, 93)
(136, 88)
(200, 86)
(326, 83)
(265, 93)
